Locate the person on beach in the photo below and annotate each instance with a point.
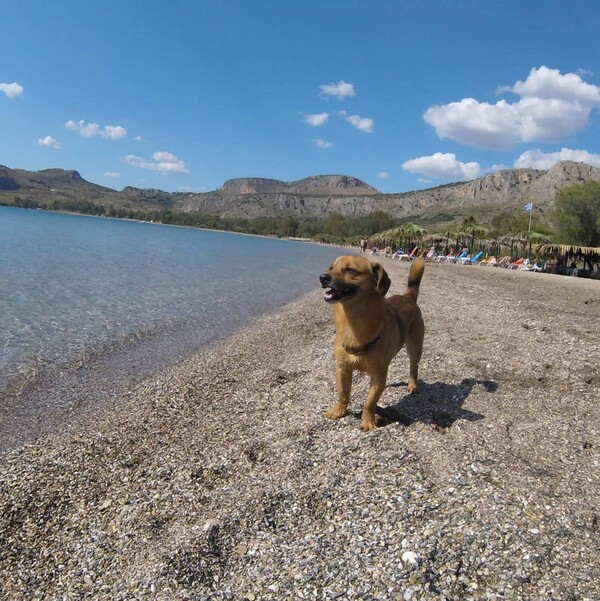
(363, 246)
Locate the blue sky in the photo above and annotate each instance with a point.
(183, 95)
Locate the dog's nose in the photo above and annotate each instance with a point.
(325, 280)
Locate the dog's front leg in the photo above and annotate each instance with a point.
(343, 376)
(376, 388)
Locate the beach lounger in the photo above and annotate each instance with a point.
(475, 259)
(530, 267)
(489, 261)
(405, 257)
(459, 258)
(504, 262)
(431, 255)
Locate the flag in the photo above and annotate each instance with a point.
(528, 207)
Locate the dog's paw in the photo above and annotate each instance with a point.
(336, 412)
(412, 388)
(367, 425)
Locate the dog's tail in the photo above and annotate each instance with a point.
(414, 279)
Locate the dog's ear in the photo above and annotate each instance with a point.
(383, 280)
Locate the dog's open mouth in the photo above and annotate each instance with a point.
(337, 293)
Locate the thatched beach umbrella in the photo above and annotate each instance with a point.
(511, 240)
(526, 238)
(412, 230)
(400, 234)
(536, 238)
(589, 254)
(473, 230)
(387, 237)
(453, 235)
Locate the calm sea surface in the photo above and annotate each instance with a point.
(78, 290)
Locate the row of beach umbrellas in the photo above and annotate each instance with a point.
(469, 233)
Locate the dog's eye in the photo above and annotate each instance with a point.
(351, 271)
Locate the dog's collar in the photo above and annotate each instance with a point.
(361, 350)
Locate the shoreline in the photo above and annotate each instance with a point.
(217, 478)
(42, 405)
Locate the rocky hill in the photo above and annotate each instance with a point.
(315, 185)
(316, 196)
(48, 182)
(323, 195)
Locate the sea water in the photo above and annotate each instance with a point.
(76, 290)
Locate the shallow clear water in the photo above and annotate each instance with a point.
(76, 288)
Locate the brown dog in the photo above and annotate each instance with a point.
(370, 330)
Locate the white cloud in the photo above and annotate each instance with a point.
(442, 166)
(585, 72)
(111, 174)
(90, 130)
(139, 139)
(551, 85)
(190, 189)
(340, 90)
(316, 120)
(552, 107)
(165, 157)
(537, 159)
(164, 163)
(12, 90)
(320, 143)
(364, 124)
(49, 142)
(383, 175)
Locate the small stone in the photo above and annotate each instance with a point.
(409, 557)
(241, 549)
(211, 526)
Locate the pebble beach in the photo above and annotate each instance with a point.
(220, 479)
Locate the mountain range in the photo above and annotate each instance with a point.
(315, 196)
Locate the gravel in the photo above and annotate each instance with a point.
(220, 479)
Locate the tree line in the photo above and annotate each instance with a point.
(574, 219)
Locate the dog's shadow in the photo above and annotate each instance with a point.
(438, 404)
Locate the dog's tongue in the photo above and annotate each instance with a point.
(330, 293)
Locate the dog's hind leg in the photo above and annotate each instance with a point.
(343, 376)
(414, 348)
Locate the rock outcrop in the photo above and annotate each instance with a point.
(324, 195)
